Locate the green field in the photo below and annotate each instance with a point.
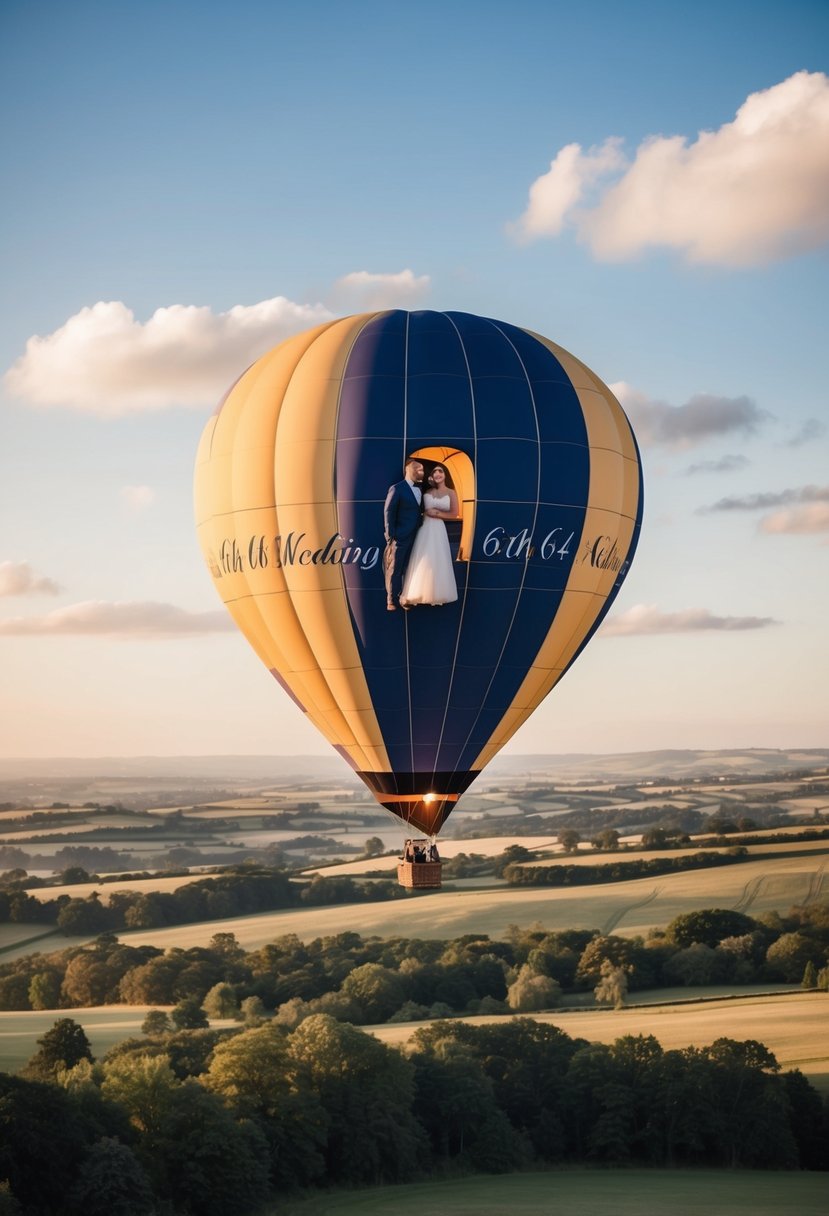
(627, 908)
(792, 1026)
(105, 1026)
(21, 939)
(587, 1193)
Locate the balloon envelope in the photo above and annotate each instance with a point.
(291, 477)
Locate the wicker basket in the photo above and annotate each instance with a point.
(419, 874)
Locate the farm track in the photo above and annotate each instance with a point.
(749, 893)
(616, 918)
(815, 884)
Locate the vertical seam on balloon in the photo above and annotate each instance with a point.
(405, 453)
(468, 564)
(532, 531)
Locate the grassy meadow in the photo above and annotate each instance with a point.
(627, 908)
(579, 1192)
(792, 1026)
(105, 1026)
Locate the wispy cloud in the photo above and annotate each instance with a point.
(725, 464)
(772, 498)
(752, 191)
(808, 519)
(810, 429)
(103, 360)
(18, 578)
(647, 619)
(138, 498)
(704, 416)
(97, 618)
(362, 291)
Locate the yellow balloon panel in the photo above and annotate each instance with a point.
(235, 491)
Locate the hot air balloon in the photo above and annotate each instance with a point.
(291, 478)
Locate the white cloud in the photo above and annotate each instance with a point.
(138, 498)
(647, 619)
(362, 291)
(562, 187)
(18, 578)
(104, 361)
(704, 416)
(752, 191)
(97, 618)
(810, 518)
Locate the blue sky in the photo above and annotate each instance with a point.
(168, 154)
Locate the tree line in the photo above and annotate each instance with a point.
(372, 980)
(235, 892)
(563, 875)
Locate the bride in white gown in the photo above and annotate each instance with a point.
(430, 577)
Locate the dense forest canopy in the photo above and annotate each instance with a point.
(215, 1123)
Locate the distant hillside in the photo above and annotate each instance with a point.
(254, 770)
(213, 768)
(676, 764)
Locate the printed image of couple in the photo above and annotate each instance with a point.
(417, 559)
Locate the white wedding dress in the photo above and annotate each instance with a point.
(430, 578)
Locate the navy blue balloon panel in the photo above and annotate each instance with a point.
(443, 678)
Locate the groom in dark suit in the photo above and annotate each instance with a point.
(403, 515)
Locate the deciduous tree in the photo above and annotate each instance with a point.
(531, 992)
(189, 1015)
(252, 1010)
(378, 991)
(569, 839)
(709, 926)
(788, 956)
(366, 1089)
(257, 1078)
(112, 1182)
(221, 1002)
(612, 986)
(156, 1023)
(44, 990)
(143, 1085)
(61, 1047)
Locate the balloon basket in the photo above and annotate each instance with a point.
(419, 875)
